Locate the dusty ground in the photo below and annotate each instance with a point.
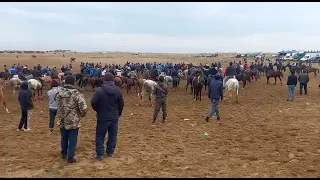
(262, 136)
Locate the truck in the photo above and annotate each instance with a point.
(308, 56)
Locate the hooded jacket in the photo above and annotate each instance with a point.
(108, 102)
(25, 97)
(71, 106)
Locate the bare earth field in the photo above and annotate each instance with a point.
(262, 136)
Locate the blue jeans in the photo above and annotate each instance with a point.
(214, 108)
(69, 140)
(101, 130)
(291, 91)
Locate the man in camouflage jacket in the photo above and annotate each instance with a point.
(71, 106)
(161, 92)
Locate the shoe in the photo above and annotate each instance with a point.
(99, 158)
(51, 129)
(109, 155)
(27, 129)
(71, 160)
(207, 119)
(154, 121)
(63, 157)
(163, 120)
(20, 129)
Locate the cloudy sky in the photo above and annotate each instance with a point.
(160, 27)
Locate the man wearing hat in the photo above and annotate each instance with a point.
(71, 106)
(215, 93)
(108, 102)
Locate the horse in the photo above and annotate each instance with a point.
(232, 84)
(93, 82)
(73, 59)
(198, 83)
(313, 69)
(129, 83)
(79, 77)
(275, 74)
(244, 77)
(15, 84)
(5, 76)
(148, 87)
(254, 74)
(33, 56)
(84, 81)
(36, 85)
(118, 81)
(47, 81)
(61, 76)
(2, 97)
(189, 82)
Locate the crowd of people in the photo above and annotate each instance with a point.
(67, 103)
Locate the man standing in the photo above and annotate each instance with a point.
(160, 92)
(303, 80)
(25, 99)
(71, 106)
(291, 83)
(108, 102)
(52, 103)
(215, 94)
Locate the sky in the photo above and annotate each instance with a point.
(187, 27)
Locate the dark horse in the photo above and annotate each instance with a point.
(197, 83)
(129, 83)
(189, 82)
(275, 74)
(244, 77)
(254, 74)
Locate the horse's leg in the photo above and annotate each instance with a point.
(275, 80)
(268, 80)
(244, 82)
(5, 106)
(200, 94)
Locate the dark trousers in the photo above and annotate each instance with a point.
(52, 116)
(305, 87)
(24, 119)
(69, 139)
(102, 128)
(160, 103)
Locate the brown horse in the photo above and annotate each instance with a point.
(254, 74)
(198, 83)
(2, 97)
(275, 74)
(129, 83)
(118, 81)
(313, 69)
(93, 82)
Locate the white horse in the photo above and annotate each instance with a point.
(233, 85)
(167, 79)
(35, 85)
(15, 84)
(147, 88)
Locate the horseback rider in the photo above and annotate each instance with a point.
(229, 73)
(270, 67)
(13, 71)
(36, 74)
(23, 74)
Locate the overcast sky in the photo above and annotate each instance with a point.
(160, 27)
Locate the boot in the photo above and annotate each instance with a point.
(163, 120)
(207, 119)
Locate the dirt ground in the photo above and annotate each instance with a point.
(262, 136)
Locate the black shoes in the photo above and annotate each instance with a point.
(71, 160)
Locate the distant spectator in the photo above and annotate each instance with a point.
(291, 83)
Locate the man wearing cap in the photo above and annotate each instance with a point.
(108, 102)
(52, 103)
(215, 94)
(71, 106)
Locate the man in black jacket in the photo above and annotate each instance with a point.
(291, 83)
(108, 102)
(25, 99)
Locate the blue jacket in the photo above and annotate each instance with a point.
(13, 71)
(215, 89)
(25, 97)
(92, 71)
(108, 102)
